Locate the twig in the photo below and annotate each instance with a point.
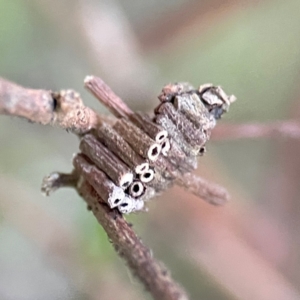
(115, 143)
(290, 129)
(64, 109)
(34, 105)
(144, 122)
(111, 194)
(176, 135)
(106, 161)
(57, 180)
(140, 142)
(107, 97)
(193, 136)
(209, 192)
(152, 273)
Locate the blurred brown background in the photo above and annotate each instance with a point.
(52, 248)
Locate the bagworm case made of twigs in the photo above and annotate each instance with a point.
(137, 155)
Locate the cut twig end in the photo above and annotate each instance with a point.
(88, 79)
(106, 96)
(57, 180)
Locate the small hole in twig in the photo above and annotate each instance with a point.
(126, 184)
(165, 147)
(142, 168)
(161, 136)
(136, 188)
(117, 201)
(54, 104)
(202, 151)
(126, 180)
(154, 152)
(147, 176)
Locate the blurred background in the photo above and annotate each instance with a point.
(52, 248)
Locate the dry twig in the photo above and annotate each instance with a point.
(64, 109)
(153, 274)
(209, 192)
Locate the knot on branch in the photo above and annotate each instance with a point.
(70, 112)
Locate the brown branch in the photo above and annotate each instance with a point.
(106, 161)
(112, 194)
(64, 109)
(140, 142)
(116, 144)
(209, 192)
(152, 273)
(144, 122)
(107, 97)
(290, 129)
(192, 135)
(34, 105)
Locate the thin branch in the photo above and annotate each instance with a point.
(209, 192)
(152, 273)
(290, 129)
(107, 97)
(34, 105)
(57, 180)
(64, 109)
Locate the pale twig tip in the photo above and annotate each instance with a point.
(88, 79)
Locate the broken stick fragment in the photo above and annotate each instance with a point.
(108, 191)
(175, 134)
(57, 180)
(106, 161)
(194, 136)
(208, 191)
(140, 142)
(144, 122)
(194, 109)
(171, 90)
(107, 97)
(117, 144)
